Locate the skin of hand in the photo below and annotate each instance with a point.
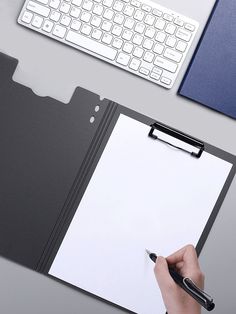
(176, 300)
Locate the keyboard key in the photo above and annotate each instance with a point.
(150, 32)
(75, 12)
(148, 44)
(158, 48)
(168, 17)
(128, 10)
(139, 28)
(190, 27)
(65, 7)
(119, 18)
(55, 16)
(171, 41)
(118, 6)
(170, 29)
(98, 9)
(160, 24)
(179, 22)
(97, 34)
(108, 14)
(77, 2)
(85, 17)
(139, 15)
(91, 45)
(107, 3)
(165, 64)
(48, 26)
(87, 5)
(157, 71)
(161, 37)
(173, 55)
(96, 21)
(117, 30)
(37, 21)
(66, 20)
(181, 46)
(27, 17)
(86, 29)
(106, 26)
(59, 31)
(123, 58)
(155, 76)
(129, 23)
(54, 4)
(128, 47)
(157, 12)
(38, 8)
(135, 3)
(149, 19)
(138, 52)
(144, 71)
(75, 25)
(146, 8)
(107, 38)
(183, 34)
(137, 39)
(166, 80)
(43, 1)
(117, 43)
(134, 64)
(127, 35)
(148, 57)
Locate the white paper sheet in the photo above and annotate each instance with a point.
(143, 194)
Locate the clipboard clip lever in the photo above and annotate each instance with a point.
(188, 142)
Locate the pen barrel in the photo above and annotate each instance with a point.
(188, 285)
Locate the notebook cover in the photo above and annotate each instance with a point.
(211, 76)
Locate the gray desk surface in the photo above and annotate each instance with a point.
(50, 68)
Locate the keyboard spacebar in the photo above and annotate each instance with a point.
(89, 44)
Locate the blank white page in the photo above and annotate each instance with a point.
(143, 194)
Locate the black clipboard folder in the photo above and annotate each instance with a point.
(49, 151)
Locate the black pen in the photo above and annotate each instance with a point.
(189, 286)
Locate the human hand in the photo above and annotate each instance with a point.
(176, 300)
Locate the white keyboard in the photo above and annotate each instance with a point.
(143, 38)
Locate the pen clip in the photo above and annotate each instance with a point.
(197, 293)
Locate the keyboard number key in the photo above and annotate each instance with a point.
(134, 64)
(27, 17)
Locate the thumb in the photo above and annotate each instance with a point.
(162, 274)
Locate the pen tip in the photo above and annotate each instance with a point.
(148, 252)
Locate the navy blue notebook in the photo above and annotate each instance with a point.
(211, 76)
